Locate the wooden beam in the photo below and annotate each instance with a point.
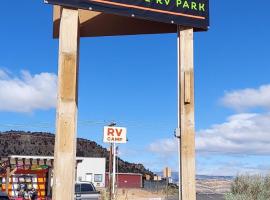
(7, 179)
(49, 181)
(66, 117)
(186, 113)
(13, 172)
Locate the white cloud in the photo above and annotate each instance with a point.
(26, 93)
(248, 98)
(243, 134)
(247, 134)
(165, 147)
(240, 134)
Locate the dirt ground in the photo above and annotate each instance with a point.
(206, 189)
(136, 194)
(140, 194)
(144, 195)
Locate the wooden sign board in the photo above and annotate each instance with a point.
(158, 19)
(114, 134)
(190, 13)
(93, 24)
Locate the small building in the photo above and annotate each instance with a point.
(127, 180)
(26, 172)
(37, 172)
(92, 170)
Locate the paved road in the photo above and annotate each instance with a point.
(205, 197)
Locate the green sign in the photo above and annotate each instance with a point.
(190, 13)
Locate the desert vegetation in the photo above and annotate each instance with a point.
(247, 187)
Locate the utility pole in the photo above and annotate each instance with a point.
(111, 167)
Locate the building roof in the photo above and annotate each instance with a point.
(133, 174)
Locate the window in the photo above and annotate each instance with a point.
(98, 178)
(89, 177)
(86, 188)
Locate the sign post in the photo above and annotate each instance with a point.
(66, 115)
(114, 170)
(110, 172)
(114, 135)
(187, 188)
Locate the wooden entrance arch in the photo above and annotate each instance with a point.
(69, 26)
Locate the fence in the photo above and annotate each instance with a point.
(155, 186)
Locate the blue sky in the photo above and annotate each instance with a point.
(132, 80)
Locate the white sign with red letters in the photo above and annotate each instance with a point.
(115, 134)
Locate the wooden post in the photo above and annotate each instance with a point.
(7, 179)
(66, 117)
(187, 191)
(49, 182)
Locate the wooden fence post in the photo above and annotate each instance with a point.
(187, 190)
(66, 117)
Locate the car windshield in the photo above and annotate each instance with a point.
(84, 187)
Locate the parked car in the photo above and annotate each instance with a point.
(86, 191)
(3, 196)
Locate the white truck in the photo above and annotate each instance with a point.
(86, 191)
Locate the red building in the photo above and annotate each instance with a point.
(127, 180)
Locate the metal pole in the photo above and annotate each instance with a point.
(110, 172)
(114, 169)
(117, 167)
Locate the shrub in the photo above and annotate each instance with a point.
(250, 188)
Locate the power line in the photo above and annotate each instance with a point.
(130, 124)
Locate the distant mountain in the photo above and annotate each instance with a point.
(206, 177)
(175, 177)
(42, 144)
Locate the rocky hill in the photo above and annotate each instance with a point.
(42, 144)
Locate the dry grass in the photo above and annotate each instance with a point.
(250, 188)
(132, 194)
(215, 186)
